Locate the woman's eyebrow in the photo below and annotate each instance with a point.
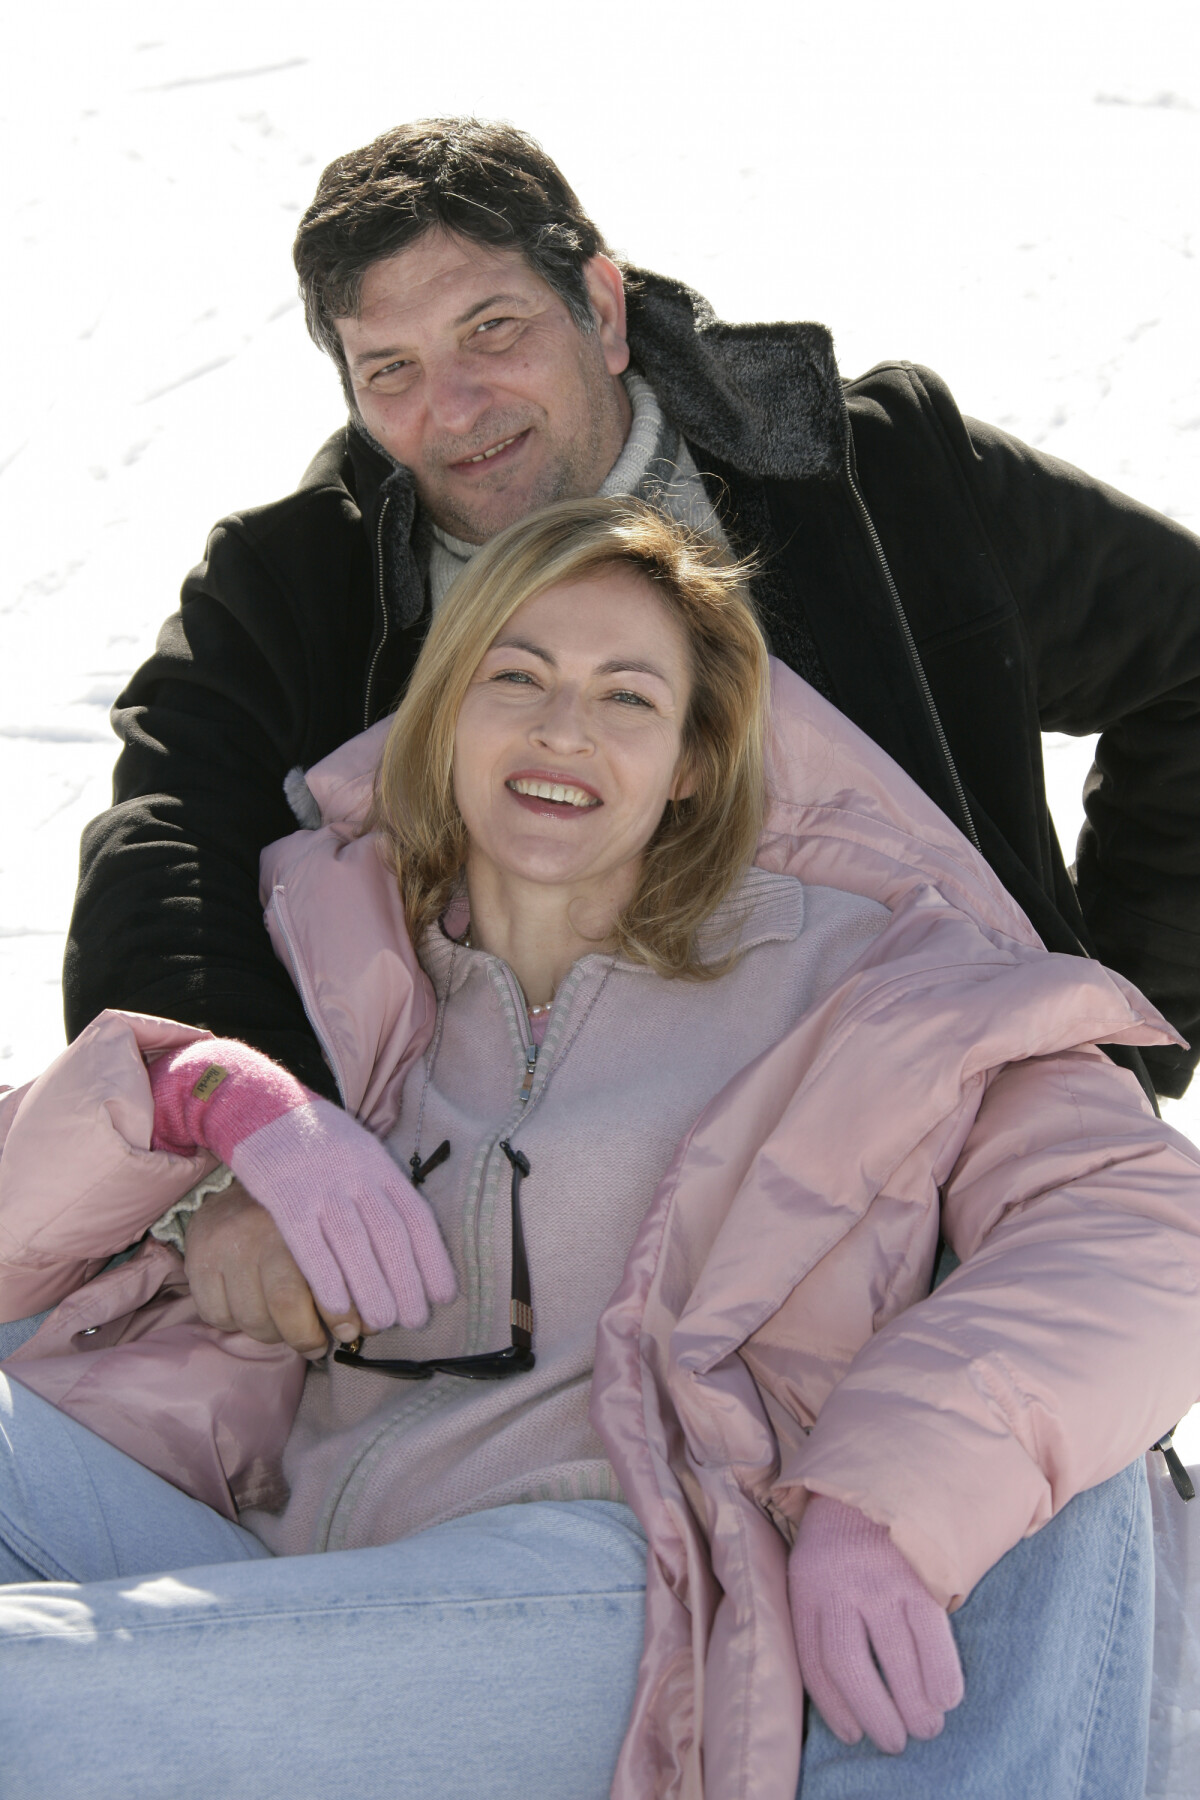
(623, 665)
(516, 643)
(618, 665)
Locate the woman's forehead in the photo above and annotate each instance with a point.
(614, 615)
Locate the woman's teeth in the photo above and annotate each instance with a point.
(553, 790)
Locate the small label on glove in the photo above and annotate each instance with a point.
(209, 1082)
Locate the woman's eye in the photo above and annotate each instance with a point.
(519, 677)
(627, 697)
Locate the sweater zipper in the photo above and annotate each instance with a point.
(382, 610)
(530, 1048)
(910, 642)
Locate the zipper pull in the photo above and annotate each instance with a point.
(1184, 1486)
(530, 1066)
(421, 1169)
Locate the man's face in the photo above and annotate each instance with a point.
(471, 371)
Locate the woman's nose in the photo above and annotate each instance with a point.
(562, 724)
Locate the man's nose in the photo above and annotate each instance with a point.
(457, 399)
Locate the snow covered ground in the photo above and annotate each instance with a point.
(1006, 194)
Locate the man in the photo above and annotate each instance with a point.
(951, 590)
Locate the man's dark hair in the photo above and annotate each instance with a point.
(487, 182)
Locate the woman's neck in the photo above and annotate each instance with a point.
(540, 930)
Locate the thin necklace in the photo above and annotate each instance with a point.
(421, 1169)
(533, 1011)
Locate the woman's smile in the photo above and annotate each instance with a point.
(569, 738)
(553, 795)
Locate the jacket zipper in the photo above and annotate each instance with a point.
(382, 611)
(307, 998)
(910, 642)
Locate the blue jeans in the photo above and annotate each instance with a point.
(149, 1647)
(494, 1656)
(1057, 1648)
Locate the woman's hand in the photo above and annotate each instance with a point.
(852, 1592)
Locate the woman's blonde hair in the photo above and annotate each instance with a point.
(704, 843)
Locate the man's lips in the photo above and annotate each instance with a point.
(493, 456)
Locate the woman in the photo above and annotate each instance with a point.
(622, 1058)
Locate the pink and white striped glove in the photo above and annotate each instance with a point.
(358, 1229)
(851, 1592)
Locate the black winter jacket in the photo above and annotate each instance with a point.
(954, 592)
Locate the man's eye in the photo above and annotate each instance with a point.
(392, 374)
(499, 329)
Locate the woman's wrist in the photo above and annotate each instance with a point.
(215, 1093)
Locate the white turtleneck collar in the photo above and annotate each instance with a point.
(654, 462)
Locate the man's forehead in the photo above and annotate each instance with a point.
(441, 275)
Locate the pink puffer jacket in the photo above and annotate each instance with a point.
(125, 1352)
(771, 1336)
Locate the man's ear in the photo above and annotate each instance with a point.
(606, 291)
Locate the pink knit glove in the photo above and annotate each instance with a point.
(852, 1592)
(358, 1229)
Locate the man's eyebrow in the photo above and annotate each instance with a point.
(473, 312)
(370, 356)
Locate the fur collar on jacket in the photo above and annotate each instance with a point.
(765, 398)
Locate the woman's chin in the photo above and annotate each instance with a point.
(522, 861)
(550, 875)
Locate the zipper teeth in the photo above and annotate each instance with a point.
(914, 655)
(382, 610)
(306, 995)
(526, 1035)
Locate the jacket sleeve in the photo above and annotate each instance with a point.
(1109, 594)
(1062, 1349)
(260, 670)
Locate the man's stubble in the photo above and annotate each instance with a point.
(573, 470)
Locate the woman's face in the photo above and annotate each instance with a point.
(567, 747)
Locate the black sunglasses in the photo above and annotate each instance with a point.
(492, 1365)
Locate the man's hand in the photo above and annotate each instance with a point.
(243, 1277)
(361, 1235)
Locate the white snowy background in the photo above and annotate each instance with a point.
(1011, 194)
